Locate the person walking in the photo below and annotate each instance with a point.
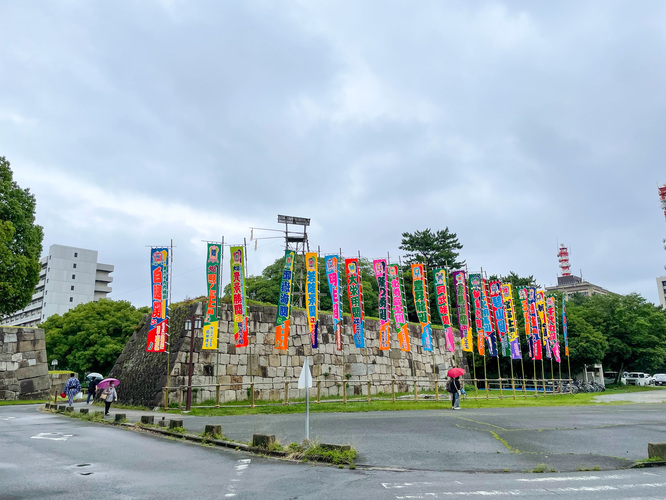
(109, 395)
(72, 388)
(454, 387)
(92, 389)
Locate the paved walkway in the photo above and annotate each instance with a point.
(500, 439)
(635, 397)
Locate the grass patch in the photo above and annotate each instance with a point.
(23, 402)
(541, 468)
(334, 456)
(176, 430)
(360, 404)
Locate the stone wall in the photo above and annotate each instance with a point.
(143, 375)
(24, 373)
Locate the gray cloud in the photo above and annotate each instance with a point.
(515, 124)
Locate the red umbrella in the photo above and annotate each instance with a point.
(105, 383)
(455, 372)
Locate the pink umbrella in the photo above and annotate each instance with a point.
(105, 383)
(453, 373)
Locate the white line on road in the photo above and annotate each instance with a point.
(569, 478)
(532, 492)
(392, 486)
(53, 436)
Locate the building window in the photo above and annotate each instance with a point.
(71, 299)
(73, 276)
(74, 265)
(72, 287)
(46, 292)
(76, 254)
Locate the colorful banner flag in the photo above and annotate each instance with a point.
(159, 275)
(534, 324)
(379, 266)
(522, 295)
(460, 284)
(543, 325)
(500, 317)
(211, 319)
(284, 303)
(355, 293)
(511, 327)
(241, 330)
(333, 278)
(477, 292)
(420, 293)
(398, 306)
(443, 306)
(487, 317)
(551, 316)
(312, 296)
(564, 327)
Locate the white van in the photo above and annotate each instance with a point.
(637, 378)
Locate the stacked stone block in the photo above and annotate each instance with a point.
(235, 369)
(23, 366)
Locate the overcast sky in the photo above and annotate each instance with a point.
(519, 125)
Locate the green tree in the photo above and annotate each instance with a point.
(438, 249)
(634, 329)
(435, 250)
(20, 243)
(91, 336)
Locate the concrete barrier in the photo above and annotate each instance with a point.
(657, 450)
(84, 411)
(174, 422)
(62, 408)
(120, 417)
(69, 409)
(213, 430)
(147, 419)
(263, 440)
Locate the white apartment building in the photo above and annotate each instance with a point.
(69, 276)
(661, 288)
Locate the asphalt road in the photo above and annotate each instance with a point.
(45, 456)
(491, 440)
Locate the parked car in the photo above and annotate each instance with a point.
(610, 377)
(659, 379)
(638, 378)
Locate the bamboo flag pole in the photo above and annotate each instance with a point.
(217, 360)
(485, 376)
(499, 374)
(522, 369)
(513, 382)
(534, 376)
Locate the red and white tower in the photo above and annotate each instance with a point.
(563, 257)
(662, 196)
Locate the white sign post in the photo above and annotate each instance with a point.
(305, 382)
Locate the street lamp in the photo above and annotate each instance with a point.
(192, 323)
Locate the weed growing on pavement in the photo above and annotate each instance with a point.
(543, 468)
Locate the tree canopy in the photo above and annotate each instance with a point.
(626, 332)
(439, 249)
(91, 336)
(20, 243)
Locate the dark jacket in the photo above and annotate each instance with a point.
(453, 385)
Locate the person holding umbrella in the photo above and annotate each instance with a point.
(92, 386)
(454, 387)
(109, 394)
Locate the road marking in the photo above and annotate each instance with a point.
(392, 486)
(569, 478)
(53, 436)
(6, 418)
(533, 492)
(240, 468)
